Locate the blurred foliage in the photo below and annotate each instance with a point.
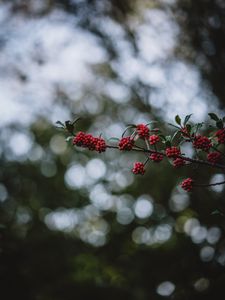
(68, 231)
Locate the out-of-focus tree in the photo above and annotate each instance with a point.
(74, 224)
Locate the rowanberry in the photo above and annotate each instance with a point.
(126, 143)
(156, 157)
(153, 139)
(220, 134)
(79, 139)
(143, 131)
(202, 142)
(138, 168)
(178, 162)
(214, 157)
(187, 184)
(172, 152)
(100, 145)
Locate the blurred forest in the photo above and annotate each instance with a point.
(79, 225)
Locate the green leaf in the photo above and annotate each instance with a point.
(128, 127)
(219, 124)
(174, 135)
(168, 138)
(162, 137)
(69, 138)
(113, 138)
(187, 118)
(59, 123)
(213, 116)
(178, 119)
(217, 212)
(188, 126)
(173, 125)
(151, 122)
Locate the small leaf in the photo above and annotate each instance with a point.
(113, 138)
(151, 122)
(178, 119)
(188, 127)
(174, 135)
(168, 138)
(60, 123)
(69, 138)
(217, 212)
(219, 124)
(213, 116)
(174, 125)
(128, 127)
(162, 137)
(187, 118)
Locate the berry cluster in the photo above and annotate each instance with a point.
(172, 152)
(178, 162)
(156, 157)
(220, 134)
(214, 157)
(143, 131)
(187, 184)
(86, 140)
(139, 168)
(202, 142)
(150, 142)
(126, 143)
(153, 139)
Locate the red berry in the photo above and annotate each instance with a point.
(90, 142)
(214, 157)
(220, 134)
(173, 152)
(138, 168)
(187, 184)
(156, 157)
(202, 142)
(178, 162)
(79, 139)
(100, 145)
(153, 139)
(126, 143)
(143, 131)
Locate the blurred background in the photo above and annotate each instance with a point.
(79, 225)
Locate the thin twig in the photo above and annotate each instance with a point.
(193, 160)
(209, 184)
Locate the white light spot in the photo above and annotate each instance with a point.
(207, 253)
(143, 208)
(58, 144)
(96, 168)
(214, 234)
(198, 234)
(201, 284)
(64, 220)
(163, 233)
(125, 216)
(20, 143)
(217, 178)
(141, 235)
(75, 176)
(165, 288)
(100, 198)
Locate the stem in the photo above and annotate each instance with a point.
(193, 160)
(209, 184)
